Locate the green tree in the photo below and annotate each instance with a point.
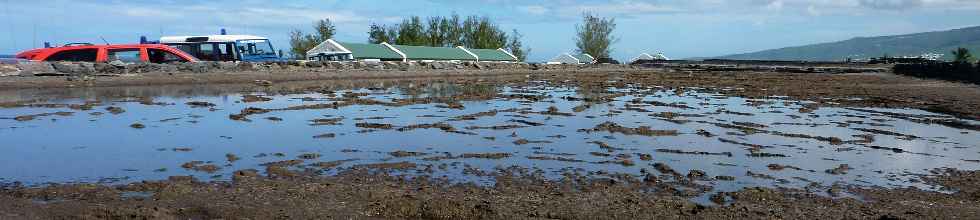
(434, 31)
(300, 42)
(412, 32)
(517, 48)
(324, 30)
(438, 31)
(454, 31)
(595, 35)
(962, 55)
(481, 33)
(379, 34)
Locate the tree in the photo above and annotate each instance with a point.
(324, 30)
(438, 31)
(434, 31)
(962, 55)
(481, 33)
(516, 47)
(379, 34)
(411, 32)
(454, 31)
(594, 35)
(300, 42)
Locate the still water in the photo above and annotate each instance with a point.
(55, 137)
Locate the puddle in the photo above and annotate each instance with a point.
(433, 130)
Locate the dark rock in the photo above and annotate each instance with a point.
(137, 126)
(196, 67)
(66, 67)
(246, 174)
(839, 170)
(650, 178)
(696, 174)
(313, 64)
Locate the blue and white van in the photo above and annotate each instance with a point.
(225, 47)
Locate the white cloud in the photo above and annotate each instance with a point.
(534, 9)
(891, 4)
(150, 12)
(621, 8)
(812, 11)
(775, 5)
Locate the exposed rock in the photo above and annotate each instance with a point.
(696, 174)
(839, 170)
(36, 68)
(137, 126)
(642, 130)
(402, 153)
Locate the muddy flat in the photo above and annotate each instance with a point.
(636, 144)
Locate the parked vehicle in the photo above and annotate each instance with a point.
(153, 53)
(9, 59)
(225, 47)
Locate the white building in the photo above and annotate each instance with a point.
(567, 58)
(646, 56)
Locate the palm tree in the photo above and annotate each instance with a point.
(962, 55)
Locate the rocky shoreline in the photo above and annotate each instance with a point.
(116, 68)
(87, 71)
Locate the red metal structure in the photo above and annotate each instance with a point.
(153, 53)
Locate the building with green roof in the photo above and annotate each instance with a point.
(336, 51)
(362, 51)
(331, 50)
(493, 55)
(422, 53)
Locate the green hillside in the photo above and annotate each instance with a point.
(939, 42)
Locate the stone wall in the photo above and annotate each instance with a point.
(118, 68)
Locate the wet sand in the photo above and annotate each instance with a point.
(360, 194)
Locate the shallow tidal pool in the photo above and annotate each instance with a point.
(462, 132)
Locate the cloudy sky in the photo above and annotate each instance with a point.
(678, 28)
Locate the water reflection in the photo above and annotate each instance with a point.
(543, 125)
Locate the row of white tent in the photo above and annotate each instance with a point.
(646, 56)
(567, 58)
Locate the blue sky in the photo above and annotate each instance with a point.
(678, 28)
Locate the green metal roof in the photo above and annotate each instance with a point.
(584, 58)
(371, 51)
(434, 53)
(491, 55)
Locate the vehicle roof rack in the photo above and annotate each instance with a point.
(78, 44)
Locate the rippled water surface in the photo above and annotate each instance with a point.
(549, 127)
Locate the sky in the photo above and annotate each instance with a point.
(677, 28)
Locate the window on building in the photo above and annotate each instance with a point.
(83, 55)
(163, 56)
(124, 55)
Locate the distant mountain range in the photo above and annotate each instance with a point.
(6, 56)
(938, 42)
